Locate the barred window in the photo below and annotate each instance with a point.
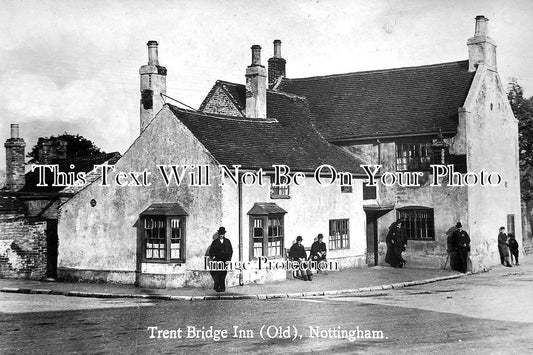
(418, 223)
(339, 234)
(413, 156)
(163, 238)
(267, 236)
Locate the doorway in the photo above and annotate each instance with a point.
(371, 240)
(51, 247)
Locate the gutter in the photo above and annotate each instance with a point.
(386, 137)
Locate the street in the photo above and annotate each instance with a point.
(483, 313)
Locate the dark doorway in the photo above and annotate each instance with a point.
(51, 245)
(371, 239)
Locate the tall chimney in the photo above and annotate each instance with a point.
(153, 84)
(15, 166)
(276, 65)
(481, 48)
(256, 77)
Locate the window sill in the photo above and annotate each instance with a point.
(150, 261)
(275, 197)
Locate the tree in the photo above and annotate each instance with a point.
(77, 146)
(523, 111)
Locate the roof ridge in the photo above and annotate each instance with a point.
(376, 71)
(294, 96)
(223, 117)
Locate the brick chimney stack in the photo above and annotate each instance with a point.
(15, 166)
(256, 84)
(481, 48)
(276, 65)
(153, 84)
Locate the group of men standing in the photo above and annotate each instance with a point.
(458, 249)
(459, 246)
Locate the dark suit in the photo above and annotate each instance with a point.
(461, 241)
(318, 247)
(220, 251)
(395, 246)
(297, 253)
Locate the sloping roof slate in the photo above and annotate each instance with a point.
(400, 101)
(266, 208)
(164, 209)
(287, 137)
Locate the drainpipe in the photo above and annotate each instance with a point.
(241, 276)
(379, 151)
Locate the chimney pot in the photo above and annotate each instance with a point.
(152, 53)
(277, 48)
(482, 24)
(256, 55)
(14, 130)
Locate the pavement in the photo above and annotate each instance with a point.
(343, 282)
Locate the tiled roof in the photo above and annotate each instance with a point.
(81, 164)
(413, 100)
(287, 137)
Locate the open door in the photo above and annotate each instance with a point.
(371, 239)
(51, 247)
(373, 213)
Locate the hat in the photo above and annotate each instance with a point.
(221, 230)
(299, 238)
(319, 236)
(458, 225)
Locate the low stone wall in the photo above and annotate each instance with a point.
(23, 252)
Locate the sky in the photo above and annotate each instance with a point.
(72, 66)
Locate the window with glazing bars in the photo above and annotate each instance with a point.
(267, 236)
(339, 234)
(418, 224)
(413, 156)
(163, 238)
(278, 191)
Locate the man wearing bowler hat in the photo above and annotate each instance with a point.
(220, 251)
(461, 241)
(297, 253)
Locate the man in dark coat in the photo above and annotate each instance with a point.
(220, 251)
(461, 243)
(297, 253)
(396, 243)
(502, 247)
(318, 250)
